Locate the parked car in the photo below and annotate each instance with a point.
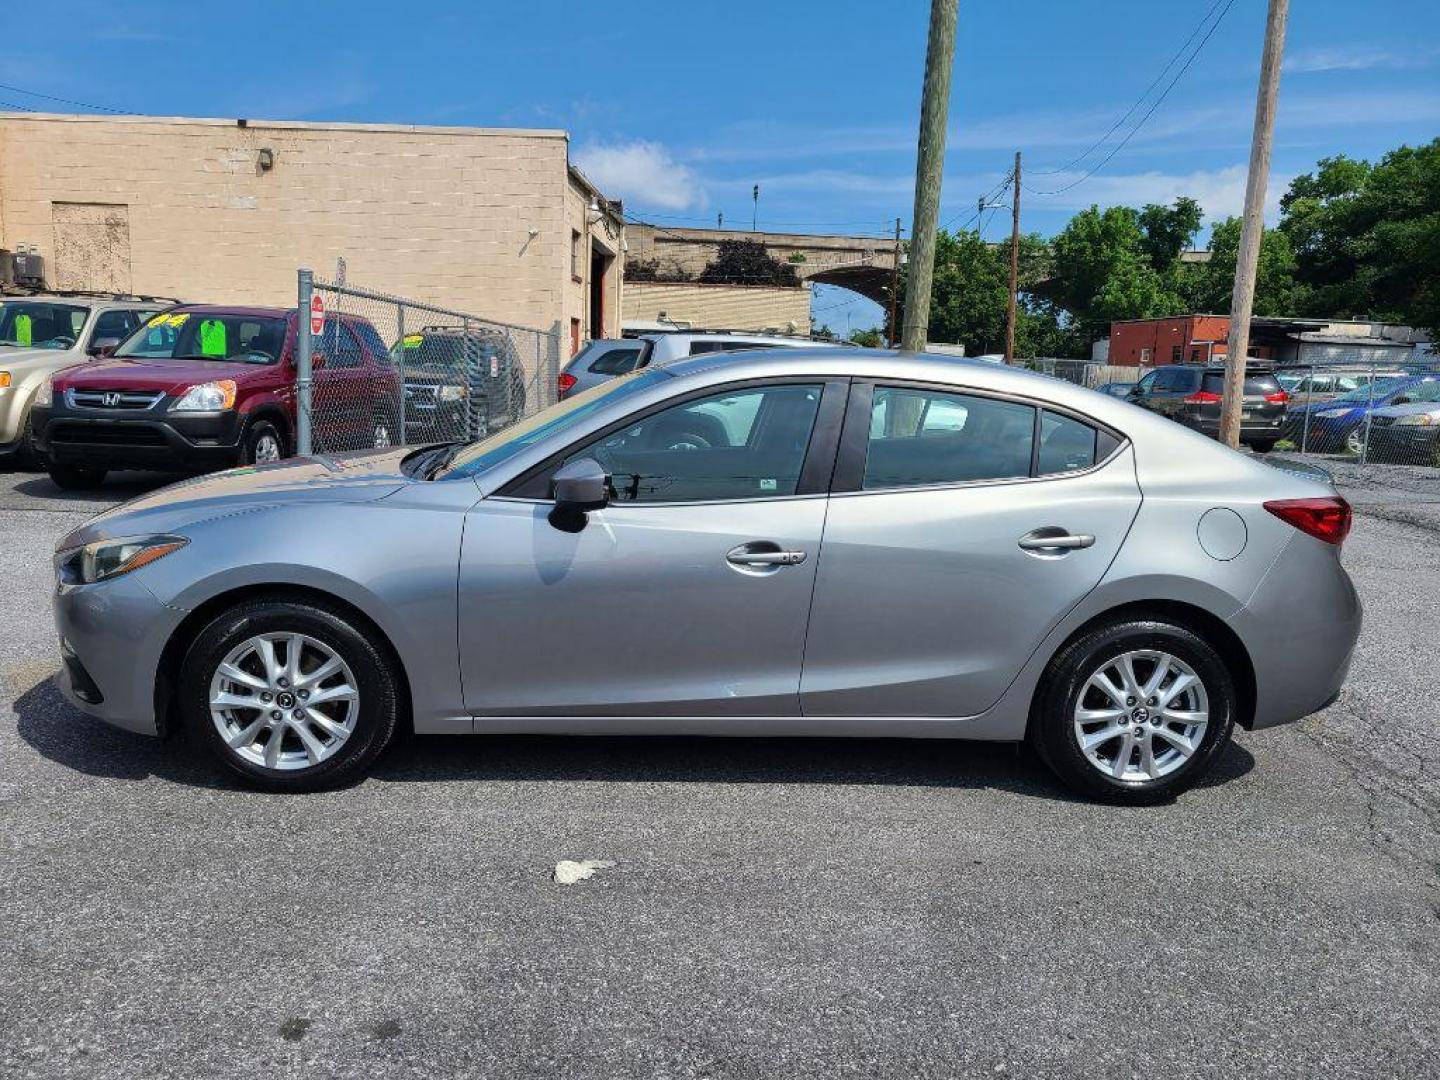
(202, 387)
(606, 358)
(1309, 385)
(1115, 389)
(40, 335)
(1338, 425)
(460, 382)
(1407, 430)
(871, 544)
(1191, 394)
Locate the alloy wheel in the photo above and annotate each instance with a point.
(285, 701)
(1141, 715)
(267, 450)
(1355, 442)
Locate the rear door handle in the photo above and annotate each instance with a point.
(747, 555)
(1055, 540)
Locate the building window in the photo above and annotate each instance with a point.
(575, 254)
(1145, 355)
(574, 336)
(1177, 353)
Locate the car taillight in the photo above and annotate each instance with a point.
(566, 381)
(1279, 397)
(1326, 519)
(1202, 397)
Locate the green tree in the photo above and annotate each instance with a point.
(1103, 271)
(1366, 237)
(869, 339)
(1168, 230)
(1207, 287)
(746, 262)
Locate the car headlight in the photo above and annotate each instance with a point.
(102, 559)
(1332, 414)
(45, 394)
(452, 392)
(207, 397)
(1418, 420)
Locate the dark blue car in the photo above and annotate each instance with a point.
(1338, 425)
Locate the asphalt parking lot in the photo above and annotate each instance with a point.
(775, 908)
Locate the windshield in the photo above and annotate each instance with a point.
(249, 339)
(503, 445)
(446, 352)
(1379, 390)
(31, 324)
(1427, 391)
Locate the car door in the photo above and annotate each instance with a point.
(341, 391)
(688, 595)
(962, 527)
(1143, 391)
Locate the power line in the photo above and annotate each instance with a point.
(62, 100)
(1148, 113)
(1138, 101)
(16, 107)
(984, 203)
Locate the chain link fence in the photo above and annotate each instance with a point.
(392, 371)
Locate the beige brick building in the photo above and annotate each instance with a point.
(487, 220)
(729, 307)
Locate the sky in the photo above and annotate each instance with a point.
(679, 108)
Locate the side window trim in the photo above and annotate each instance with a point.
(855, 438)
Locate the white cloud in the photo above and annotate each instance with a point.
(1353, 58)
(641, 172)
(1221, 192)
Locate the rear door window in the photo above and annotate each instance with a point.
(616, 361)
(1255, 385)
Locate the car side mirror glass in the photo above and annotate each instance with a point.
(104, 346)
(578, 487)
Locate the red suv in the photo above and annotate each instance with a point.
(203, 387)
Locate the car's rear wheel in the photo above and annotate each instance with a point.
(76, 477)
(1134, 711)
(1355, 442)
(289, 696)
(1263, 446)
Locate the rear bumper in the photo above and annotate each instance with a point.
(1299, 627)
(1250, 430)
(164, 442)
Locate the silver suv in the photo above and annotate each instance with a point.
(40, 335)
(605, 358)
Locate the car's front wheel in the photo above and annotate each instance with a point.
(289, 696)
(1134, 711)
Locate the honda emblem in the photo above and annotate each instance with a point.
(111, 399)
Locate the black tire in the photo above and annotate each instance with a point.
(1052, 728)
(76, 477)
(1263, 446)
(27, 458)
(260, 434)
(373, 670)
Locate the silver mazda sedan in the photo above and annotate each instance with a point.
(834, 543)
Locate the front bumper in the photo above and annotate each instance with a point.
(163, 441)
(1406, 444)
(112, 634)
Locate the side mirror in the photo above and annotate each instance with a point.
(104, 346)
(1403, 399)
(578, 488)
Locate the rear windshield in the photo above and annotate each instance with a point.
(1254, 384)
(616, 361)
(31, 325)
(193, 335)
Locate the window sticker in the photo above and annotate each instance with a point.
(212, 338)
(414, 341)
(157, 320)
(24, 330)
(177, 320)
(768, 484)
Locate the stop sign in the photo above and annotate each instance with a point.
(317, 315)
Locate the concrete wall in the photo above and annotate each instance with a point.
(720, 307)
(477, 219)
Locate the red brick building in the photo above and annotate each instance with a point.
(1186, 339)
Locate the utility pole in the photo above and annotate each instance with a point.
(929, 169)
(1014, 261)
(895, 288)
(1242, 300)
(720, 220)
(755, 210)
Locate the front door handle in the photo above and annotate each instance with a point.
(763, 554)
(1053, 539)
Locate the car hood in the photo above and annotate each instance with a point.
(362, 476)
(168, 375)
(1409, 409)
(11, 358)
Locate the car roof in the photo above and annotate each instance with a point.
(125, 302)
